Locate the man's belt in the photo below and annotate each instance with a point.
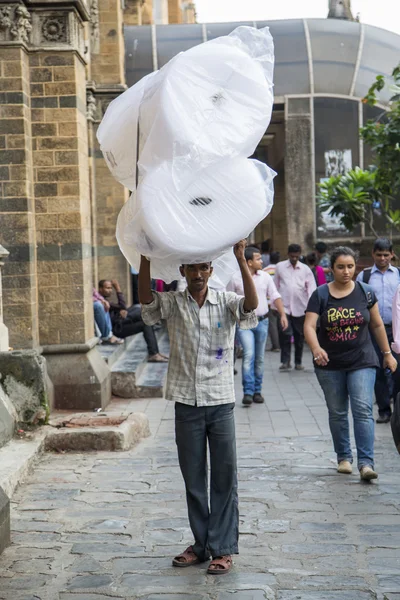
(263, 317)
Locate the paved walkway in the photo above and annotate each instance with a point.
(102, 526)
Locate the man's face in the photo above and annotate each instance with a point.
(382, 258)
(256, 262)
(294, 258)
(106, 290)
(197, 276)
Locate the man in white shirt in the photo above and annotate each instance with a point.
(295, 282)
(254, 340)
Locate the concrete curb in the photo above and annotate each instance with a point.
(82, 439)
(18, 456)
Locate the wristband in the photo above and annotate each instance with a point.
(390, 352)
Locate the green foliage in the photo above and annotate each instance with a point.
(349, 197)
(383, 135)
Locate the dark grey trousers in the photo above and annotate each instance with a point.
(214, 523)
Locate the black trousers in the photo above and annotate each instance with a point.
(386, 386)
(214, 516)
(295, 329)
(134, 324)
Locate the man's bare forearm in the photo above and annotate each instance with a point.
(279, 307)
(144, 281)
(250, 292)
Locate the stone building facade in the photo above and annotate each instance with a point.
(159, 12)
(61, 64)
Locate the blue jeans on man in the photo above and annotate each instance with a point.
(339, 388)
(253, 342)
(103, 320)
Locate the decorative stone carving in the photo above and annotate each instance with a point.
(54, 29)
(15, 23)
(94, 26)
(91, 107)
(5, 20)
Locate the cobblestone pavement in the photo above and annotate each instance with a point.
(106, 525)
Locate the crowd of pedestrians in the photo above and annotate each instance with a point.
(349, 326)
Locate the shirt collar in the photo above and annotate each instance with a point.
(289, 264)
(211, 296)
(390, 268)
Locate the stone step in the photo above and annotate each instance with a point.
(112, 352)
(132, 376)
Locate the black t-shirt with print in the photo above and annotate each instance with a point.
(344, 330)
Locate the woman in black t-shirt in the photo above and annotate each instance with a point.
(345, 359)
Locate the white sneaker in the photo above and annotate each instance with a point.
(367, 473)
(345, 467)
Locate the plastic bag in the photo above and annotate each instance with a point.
(193, 124)
(211, 102)
(197, 224)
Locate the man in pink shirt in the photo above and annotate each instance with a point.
(295, 282)
(254, 340)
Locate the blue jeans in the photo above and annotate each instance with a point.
(338, 388)
(103, 320)
(253, 342)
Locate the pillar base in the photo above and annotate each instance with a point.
(80, 376)
(4, 343)
(5, 538)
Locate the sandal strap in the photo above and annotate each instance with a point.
(221, 561)
(187, 555)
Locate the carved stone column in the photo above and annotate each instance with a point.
(4, 343)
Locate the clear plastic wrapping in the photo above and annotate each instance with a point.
(193, 124)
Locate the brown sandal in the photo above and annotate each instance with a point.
(220, 565)
(186, 559)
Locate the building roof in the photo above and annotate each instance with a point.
(312, 56)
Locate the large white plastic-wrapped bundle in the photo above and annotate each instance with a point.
(198, 223)
(198, 119)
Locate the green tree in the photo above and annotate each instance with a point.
(352, 196)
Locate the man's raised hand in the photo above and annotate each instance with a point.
(239, 249)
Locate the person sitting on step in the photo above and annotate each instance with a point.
(128, 321)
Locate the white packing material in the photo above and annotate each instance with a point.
(220, 206)
(179, 140)
(208, 103)
(211, 102)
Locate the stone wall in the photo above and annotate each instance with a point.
(17, 229)
(47, 195)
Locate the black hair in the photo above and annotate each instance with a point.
(383, 245)
(265, 246)
(311, 259)
(102, 282)
(275, 257)
(321, 247)
(209, 262)
(294, 248)
(342, 251)
(250, 251)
